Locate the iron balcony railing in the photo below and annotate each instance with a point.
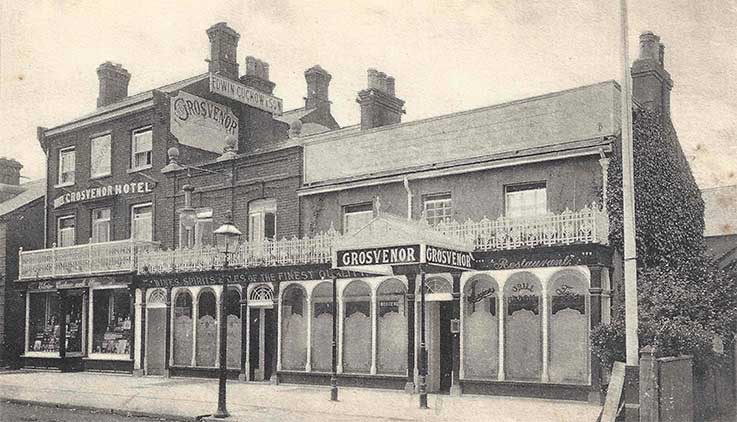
(588, 225)
(80, 260)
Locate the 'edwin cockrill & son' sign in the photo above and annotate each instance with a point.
(404, 255)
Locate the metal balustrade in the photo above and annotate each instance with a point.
(588, 225)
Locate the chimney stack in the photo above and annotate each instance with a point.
(113, 83)
(318, 81)
(10, 171)
(379, 104)
(223, 50)
(651, 83)
(257, 75)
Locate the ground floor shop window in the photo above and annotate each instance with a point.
(233, 312)
(43, 322)
(183, 329)
(207, 330)
(481, 329)
(111, 323)
(523, 327)
(569, 329)
(392, 328)
(322, 327)
(294, 329)
(357, 328)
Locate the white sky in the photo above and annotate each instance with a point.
(446, 57)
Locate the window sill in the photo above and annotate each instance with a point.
(63, 185)
(109, 356)
(137, 169)
(100, 176)
(40, 355)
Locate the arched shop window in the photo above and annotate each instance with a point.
(481, 328)
(322, 327)
(43, 323)
(357, 328)
(523, 327)
(294, 327)
(183, 328)
(207, 329)
(391, 337)
(569, 328)
(111, 322)
(233, 321)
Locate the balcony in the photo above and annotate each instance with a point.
(588, 225)
(82, 260)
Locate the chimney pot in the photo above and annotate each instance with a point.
(651, 82)
(223, 50)
(257, 75)
(649, 46)
(379, 105)
(318, 83)
(10, 171)
(113, 80)
(390, 85)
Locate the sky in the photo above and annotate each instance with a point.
(446, 56)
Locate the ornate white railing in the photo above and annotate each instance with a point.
(588, 225)
(88, 259)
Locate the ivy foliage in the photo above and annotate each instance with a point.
(683, 299)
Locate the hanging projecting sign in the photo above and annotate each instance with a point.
(201, 123)
(245, 94)
(404, 255)
(103, 191)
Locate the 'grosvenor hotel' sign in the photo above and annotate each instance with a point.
(103, 191)
(405, 255)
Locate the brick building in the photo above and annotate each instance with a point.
(515, 186)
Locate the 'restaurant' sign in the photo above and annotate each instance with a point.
(244, 94)
(201, 123)
(103, 191)
(406, 254)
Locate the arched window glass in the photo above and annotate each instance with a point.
(391, 337)
(233, 312)
(183, 328)
(523, 327)
(569, 327)
(480, 328)
(357, 330)
(294, 328)
(207, 327)
(322, 327)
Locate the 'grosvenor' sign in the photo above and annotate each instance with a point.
(407, 254)
(103, 191)
(201, 123)
(448, 258)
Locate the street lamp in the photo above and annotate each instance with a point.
(227, 238)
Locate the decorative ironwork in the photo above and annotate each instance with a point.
(157, 296)
(437, 285)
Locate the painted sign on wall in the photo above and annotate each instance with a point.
(409, 254)
(245, 94)
(201, 123)
(103, 191)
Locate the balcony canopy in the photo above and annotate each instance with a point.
(388, 242)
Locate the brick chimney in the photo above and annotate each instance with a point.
(651, 83)
(318, 81)
(379, 105)
(257, 75)
(10, 171)
(223, 50)
(113, 83)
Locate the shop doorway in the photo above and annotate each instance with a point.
(439, 346)
(261, 343)
(155, 359)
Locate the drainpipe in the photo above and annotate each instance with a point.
(409, 198)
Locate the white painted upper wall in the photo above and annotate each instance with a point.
(577, 114)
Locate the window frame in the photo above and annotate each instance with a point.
(150, 160)
(109, 170)
(437, 198)
(59, 219)
(62, 151)
(359, 208)
(258, 209)
(521, 187)
(192, 238)
(133, 209)
(94, 221)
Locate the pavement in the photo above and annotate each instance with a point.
(189, 399)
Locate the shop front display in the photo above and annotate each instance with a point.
(111, 322)
(44, 329)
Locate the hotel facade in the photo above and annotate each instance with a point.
(494, 215)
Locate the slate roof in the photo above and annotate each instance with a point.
(34, 189)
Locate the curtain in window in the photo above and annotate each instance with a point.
(523, 328)
(233, 312)
(480, 329)
(207, 329)
(66, 166)
(182, 329)
(322, 327)
(569, 359)
(66, 232)
(142, 223)
(100, 156)
(101, 225)
(294, 327)
(142, 145)
(357, 328)
(391, 333)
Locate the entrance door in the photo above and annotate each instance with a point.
(261, 336)
(155, 341)
(439, 346)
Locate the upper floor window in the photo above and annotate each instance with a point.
(201, 233)
(100, 156)
(100, 225)
(356, 217)
(437, 208)
(141, 147)
(526, 200)
(67, 158)
(65, 233)
(142, 222)
(262, 220)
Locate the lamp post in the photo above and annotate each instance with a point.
(227, 237)
(423, 346)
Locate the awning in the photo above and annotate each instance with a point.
(389, 241)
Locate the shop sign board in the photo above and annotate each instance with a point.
(99, 192)
(201, 123)
(448, 258)
(245, 94)
(405, 255)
